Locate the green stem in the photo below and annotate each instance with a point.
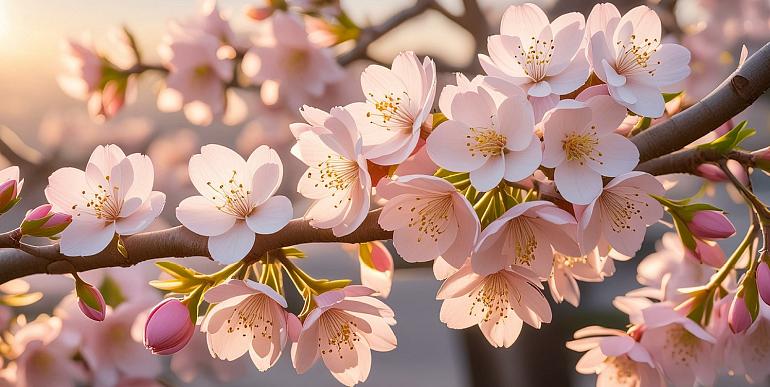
(724, 271)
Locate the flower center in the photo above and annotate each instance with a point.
(232, 196)
(562, 261)
(485, 142)
(620, 209)
(339, 332)
(492, 299)
(682, 345)
(430, 219)
(624, 370)
(521, 242)
(336, 174)
(105, 203)
(634, 55)
(253, 317)
(297, 60)
(535, 58)
(579, 146)
(390, 112)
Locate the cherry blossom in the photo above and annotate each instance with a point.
(568, 270)
(493, 140)
(113, 195)
(682, 348)
(43, 355)
(545, 59)
(288, 64)
(397, 108)
(581, 144)
(247, 317)
(619, 216)
(198, 73)
(429, 218)
(337, 177)
(237, 199)
(342, 330)
(616, 357)
(524, 236)
(670, 269)
(628, 55)
(498, 302)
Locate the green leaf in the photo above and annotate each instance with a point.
(111, 292)
(750, 295)
(174, 285)
(731, 139)
(175, 270)
(122, 248)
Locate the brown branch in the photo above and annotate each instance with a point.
(173, 242)
(735, 94)
(687, 161)
(370, 34)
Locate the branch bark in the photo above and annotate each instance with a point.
(173, 242)
(687, 161)
(734, 95)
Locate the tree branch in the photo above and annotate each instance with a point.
(175, 242)
(687, 161)
(734, 95)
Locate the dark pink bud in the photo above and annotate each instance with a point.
(711, 225)
(9, 195)
(90, 301)
(738, 318)
(168, 327)
(763, 282)
(42, 222)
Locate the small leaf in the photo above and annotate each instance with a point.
(293, 252)
(751, 295)
(174, 285)
(122, 248)
(175, 270)
(731, 139)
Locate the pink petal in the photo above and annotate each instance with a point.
(202, 217)
(578, 184)
(233, 245)
(271, 216)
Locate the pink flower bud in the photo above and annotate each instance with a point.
(738, 318)
(711, 225)
(711, 173)
(42, 222)
(90, 301)
(168, 327)
(259, 13)
(9, 195)
(707, 252)
(763, 282)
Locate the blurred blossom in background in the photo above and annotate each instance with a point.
(53, 129)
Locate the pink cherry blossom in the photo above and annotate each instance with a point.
(289, 65)
(524, 236)
(750, 350)
(581, 144)
(113, 195)
(545, 59)
(682, 348)
(342, 330)
(337, 178)
(211, 21)
(568, 270)
(616, 357)
(670, 269)
(397, 108)
(627, 54)
(377, 271)
(237, 199)
(198, 72)
(43, 353)
(429, 218)
(498, 302)
(247, 317)
(113, 348)
(489, 137)
(619, 216)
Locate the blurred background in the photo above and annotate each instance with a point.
(44, 129)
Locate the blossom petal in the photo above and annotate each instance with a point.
(579, 184)
(270, 216)
(84, 237)
(202, 217)
(233, 245)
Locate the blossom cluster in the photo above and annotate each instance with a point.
(525, 177)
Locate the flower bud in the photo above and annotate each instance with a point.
(707, 252)
(168, 327)
(90, 300)
(9, 195)
(259, 13)
(763, 281)
(739, 317)
(711, 173)
(761, 159)
(43, 222)
(711, 225)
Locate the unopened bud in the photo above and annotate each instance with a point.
(763, 282)
(90, 300)
(168, 328)
(44, 222)
(9, 195)
(711, 225)
(739, 317)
